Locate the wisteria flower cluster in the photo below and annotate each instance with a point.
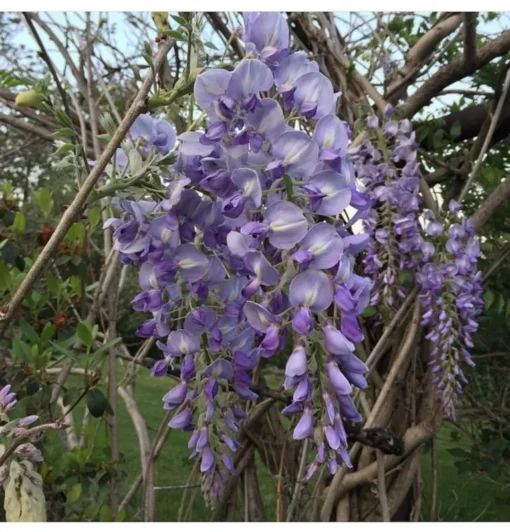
(451, 288)
(441, 255)
(249, 253)
(12, 429)
(387, 166)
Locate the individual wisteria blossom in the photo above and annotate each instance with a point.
(387, 166)
(11, 429)
(450, 295)
(249, 254)
(153, 134)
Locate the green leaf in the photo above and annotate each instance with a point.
(64, 133)
(74, 494)
(19, 222)
(75, 283)
(8, 80)
(489, 298)
(94, 217)
(65, 351)
(179, 20)
(459, 453)
(455, 130)
(76, 232)
(176, 36)
(91, 512)
(84, 333)
(48, 332)
(135, 161)
(105, 514)
(5, 277)
(209, 44)
(45, 201)
(52, 283)
(29, 332)
(97, 403)
(501, 303)
(369, 312)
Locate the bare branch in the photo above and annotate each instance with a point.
(420, 52)
(23, 125)
(452, 72)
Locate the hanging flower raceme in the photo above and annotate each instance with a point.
(451, 288)
(387, 166)
(248, 254)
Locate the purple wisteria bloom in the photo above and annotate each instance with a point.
(247, 254)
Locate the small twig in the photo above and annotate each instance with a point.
(497, 263)
(182, 487)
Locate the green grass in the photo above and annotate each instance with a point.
(461, 497)
(465, 496)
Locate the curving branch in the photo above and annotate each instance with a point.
(500, 194)
(420, 53)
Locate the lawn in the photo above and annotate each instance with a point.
(461, 497)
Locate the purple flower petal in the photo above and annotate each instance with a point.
(312, 289)
(287, 224)
(258, 316)
(304, 426)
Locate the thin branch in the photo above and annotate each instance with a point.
(221, 27)
(137, 107)
(378, 350)
(299, 481)
(488, 138)
(433, 499)
(48, 61)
